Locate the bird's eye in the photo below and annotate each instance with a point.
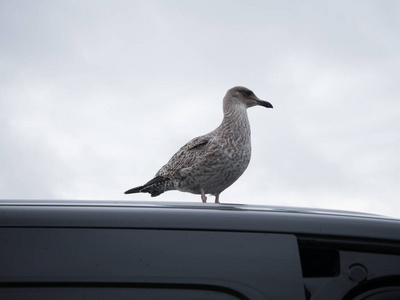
(247, 93)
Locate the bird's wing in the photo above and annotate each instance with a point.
(186, 157)
(199, 143)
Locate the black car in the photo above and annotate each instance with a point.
(155, 250)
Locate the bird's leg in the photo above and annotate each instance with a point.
(217, 198)
(203, 196)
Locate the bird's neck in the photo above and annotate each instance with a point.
(236, 121)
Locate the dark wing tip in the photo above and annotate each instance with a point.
(150, 187)
(134, 190)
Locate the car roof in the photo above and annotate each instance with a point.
(188, 205)
(196, 216)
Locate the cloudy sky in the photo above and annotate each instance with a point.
(95, 96)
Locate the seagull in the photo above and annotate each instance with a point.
(210, 163)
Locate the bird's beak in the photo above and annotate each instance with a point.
(264, 103)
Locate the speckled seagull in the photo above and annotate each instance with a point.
(210, 163)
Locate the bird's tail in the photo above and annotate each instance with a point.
(155, 187)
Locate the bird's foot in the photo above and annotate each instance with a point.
(217, 198)
(203, 196)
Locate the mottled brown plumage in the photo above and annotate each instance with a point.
(210, 163)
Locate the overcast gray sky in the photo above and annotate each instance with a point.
(95, 96)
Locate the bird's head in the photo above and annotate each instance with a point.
(240, 95)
